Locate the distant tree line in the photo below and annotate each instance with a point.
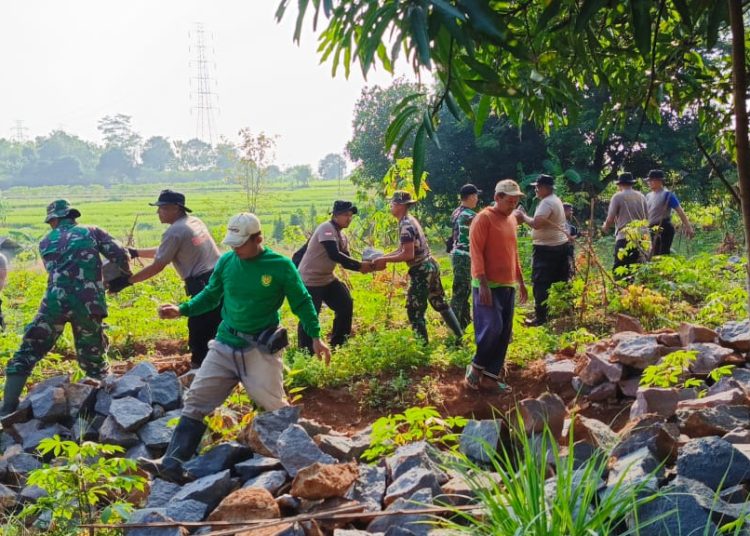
(125, 157)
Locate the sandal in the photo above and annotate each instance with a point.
(472, 378)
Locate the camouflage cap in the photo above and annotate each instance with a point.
(402, 197)
(61, 209)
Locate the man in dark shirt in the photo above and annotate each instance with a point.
(328, 247)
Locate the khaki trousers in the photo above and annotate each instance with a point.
(262, 375)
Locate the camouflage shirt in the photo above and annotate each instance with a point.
(71, 258)
(461, 222)
(410, 230)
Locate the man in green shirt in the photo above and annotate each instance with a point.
(253, 281)
(460, 257)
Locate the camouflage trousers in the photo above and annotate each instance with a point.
(47, 326)
(424, 287)
(461, 288)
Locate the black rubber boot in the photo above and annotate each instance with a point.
(185, 440)
(14, 384)
(452, 322)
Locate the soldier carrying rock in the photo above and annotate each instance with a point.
(75, 294)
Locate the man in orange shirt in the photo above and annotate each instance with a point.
(495, 271)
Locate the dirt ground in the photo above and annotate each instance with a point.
(341, 409)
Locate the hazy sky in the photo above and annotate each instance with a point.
(66, 64)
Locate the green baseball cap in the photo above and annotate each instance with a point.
(61, 209)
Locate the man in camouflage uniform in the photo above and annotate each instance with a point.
(75, 294)
(460, 257)
(424, 272)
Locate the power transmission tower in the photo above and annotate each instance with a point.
(19, 131)
(203, 97)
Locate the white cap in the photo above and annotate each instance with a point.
(240, 228)
(509, 187)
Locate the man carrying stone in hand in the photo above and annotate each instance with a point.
(75, 293)
(188, 245)
(253, 281)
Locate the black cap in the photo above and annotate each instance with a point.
(340, 207)
(655, 174)
(468, 189)
(544, 180)
(170, 197)
(625, 178)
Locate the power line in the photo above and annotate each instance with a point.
(203, 97)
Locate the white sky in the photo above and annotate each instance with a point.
(66, 64)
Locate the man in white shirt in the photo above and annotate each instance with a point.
(550, 257)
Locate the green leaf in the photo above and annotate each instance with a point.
(418, 24)
(483, 112)
(491, 88)
(588, 10)
(447, 9)
(642, 26)
(418, 156)
(484, 19)
(452, 106)
(482, 69)
(719, 14)
(403, 139)
(430, 129)
(548, 14)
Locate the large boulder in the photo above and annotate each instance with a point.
(223, 456)
(709, 356)
(478, 438)
(598, 368)
(49, 405)
(157, 433)
(297, 450)
(638, 352)
(245, 504)
(712, 421)
(655, 400)
(130, 413)
(691, 333)
(263, 432)
(714, 462)
(735, 335)
(319, 481)
(81, 399)
(165, 390)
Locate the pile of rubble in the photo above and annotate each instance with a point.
(693, 448)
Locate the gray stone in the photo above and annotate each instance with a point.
(627, 323)
(209, 490)
(255, 466)
(156, 434)
(602, 392)
(598, 368)
(629, 387)
(127, 386)
(144, 370)
(690, 333)
(166, 390)
(223, 456)
(264, 431)
(21, 464)
(344, 449)
(733, 397)
(8, 498)
(369, 488)
(103, 401)
(714, 462)
(21, 430)
(654, 400)
(560, 372)
(638, 352)
(144, 395)
(546, 410)
(270, 481)
(81, 399)
(419, 524)
(152, 515)
(707, 499)
(709, 357)
(417, 454)
(661, 437)
(187, 510)
(639, 468)
(727, 383)
(673, 515)
(31, 494)
(594, 432)
(479, 437)
(161, 493)
(31, 441)
(735, 335)
(113, 433)
(139, 451)
(130, 413)
(718, 420)
(410, 482)
(49, 405)
(737, 436)
(297, 450)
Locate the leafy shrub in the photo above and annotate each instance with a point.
(414, 424)
(674, 370)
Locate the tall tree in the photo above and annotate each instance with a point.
(332, 167)
(119, 134)
(300, 175)
(158, 154)
(256, 152)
